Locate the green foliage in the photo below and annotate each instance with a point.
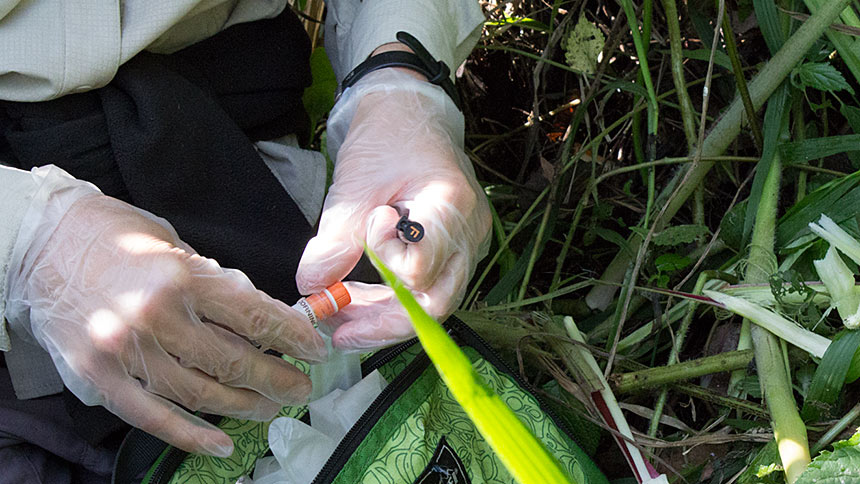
(841, 466)
(679, 234)
(820, 147)
(837, 199)
(819, 75)
(524, 455)
(582, 46)
(720, 58)
(787, 283)
(763, 466)
(318, 98)
(823, 395)
(522, 22)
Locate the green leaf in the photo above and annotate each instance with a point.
(838, 199)
(523, 455)
(815, 148)
(671, 262)
(318, 98)
(823, 394)
(720, 58)
(769, 23)
(732, 226)
(582, 46)
(819, 75)
(853, 370)
(523, 22)
(613, 237)
(842, 466)
(679, 234)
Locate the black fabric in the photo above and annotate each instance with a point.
(47, 440)
(171, 134)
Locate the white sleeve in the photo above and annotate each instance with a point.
(448, 29)
(50, 48)
(17, 188)
(25, 196)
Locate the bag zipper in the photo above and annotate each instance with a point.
(466, 336)
(174, 457)
(377, 409)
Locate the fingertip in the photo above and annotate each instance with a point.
(368, 334)
(325, 261)
(222, 446)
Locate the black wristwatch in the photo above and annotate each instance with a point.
(421, 61)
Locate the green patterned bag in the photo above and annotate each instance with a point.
(414, 432)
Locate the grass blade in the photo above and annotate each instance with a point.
(522, 454)
(829, 378)
(815, 148)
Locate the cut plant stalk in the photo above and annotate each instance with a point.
(788, 428)
(839, 279)
(722, 134)
(582, 365)
(663, 375)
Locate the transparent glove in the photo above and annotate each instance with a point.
(402, 155)
(136, 321)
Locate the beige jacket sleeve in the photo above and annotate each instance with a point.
(17, 188)
(56, 47)
(448, 29)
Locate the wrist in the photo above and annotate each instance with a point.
(399, 47)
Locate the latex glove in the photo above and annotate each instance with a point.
(403, 150)
(135, 320)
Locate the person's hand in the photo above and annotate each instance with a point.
(402, 154)
(136, 321)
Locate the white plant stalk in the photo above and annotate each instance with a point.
(830, 231)
(806, 340)
(609, 410)
(839, 279)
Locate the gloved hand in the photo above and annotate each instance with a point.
(135, 320)
(402, 153)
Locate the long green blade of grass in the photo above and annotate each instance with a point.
(524, 456)
(815, 148)
(823, 393)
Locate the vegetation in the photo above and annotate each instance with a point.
(658, 172)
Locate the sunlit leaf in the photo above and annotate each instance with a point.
(582, 46)
(524, 455)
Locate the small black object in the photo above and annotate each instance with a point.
(437, 72)
(409, 231)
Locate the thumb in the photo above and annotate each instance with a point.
(335, 250)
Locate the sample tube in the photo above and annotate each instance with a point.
(321, 305)
(342, 370)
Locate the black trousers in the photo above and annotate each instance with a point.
(171, 134)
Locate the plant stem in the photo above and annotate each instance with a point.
(663, 375)
(677, 346)
(799, 135)
(740, 80)
(705, 394)
(788, 428)
(688, 113)
(837, 429)
(675, 194)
